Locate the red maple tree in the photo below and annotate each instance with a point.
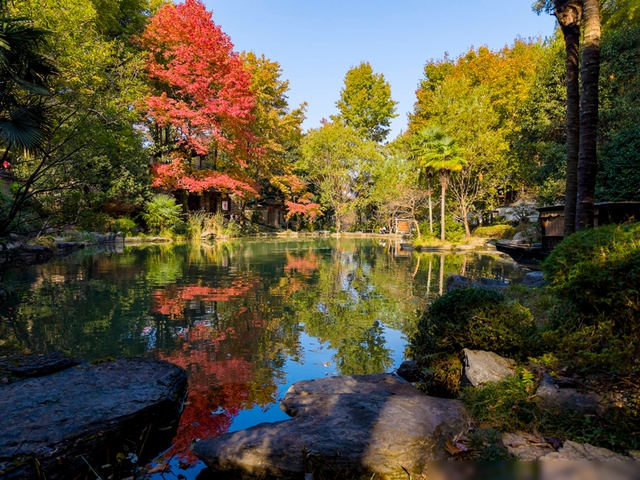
(298, 200)
(203, 93)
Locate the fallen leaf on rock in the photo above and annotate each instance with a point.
(455, 448)
(161, 467)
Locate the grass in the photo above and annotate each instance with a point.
(210, 224)
(510, 406)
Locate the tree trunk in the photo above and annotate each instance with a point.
(569, 15)
(417, 227)
(430, 207)
(465, 220)
(588, 158)
(429, 278)
(441, 274)
(444, 182)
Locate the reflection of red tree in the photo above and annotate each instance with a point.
(208, 414)
(171, 300)
(305, 265)
(223, 376)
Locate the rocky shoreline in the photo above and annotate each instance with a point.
(62, 418)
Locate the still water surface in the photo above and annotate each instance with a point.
(245, 320)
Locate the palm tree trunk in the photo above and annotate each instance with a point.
(588, 158)
(430, 207)
(441, 291)
(569, 15)
(444, 181)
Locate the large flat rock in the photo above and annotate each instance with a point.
(56, 420)
(361, 424)
(572, 451)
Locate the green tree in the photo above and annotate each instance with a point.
(476, 99)
(442, 154)
(538, 151)
(366, 104)
(421, 144)
(94, 151)
(335, 160)
(619, 130)
(24, 82)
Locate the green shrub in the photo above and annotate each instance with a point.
(124, 225)
(598, 272)
(475, 319)
(454, 231)
(496, 232)
(162, 214)
(90, 220)
(591, 348)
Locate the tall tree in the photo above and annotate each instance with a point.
(590, 74)
(366, 104)
(202, 100)
(422, 142)
(476, 98)
(333, 158)
(443, 156)
(569, 15)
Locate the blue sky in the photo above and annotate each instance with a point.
(317, 42)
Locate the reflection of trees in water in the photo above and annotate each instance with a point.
(231, 316)
(356, 292)
(434, 268)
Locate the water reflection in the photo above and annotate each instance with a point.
(244, 320)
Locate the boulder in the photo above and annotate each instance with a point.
(534, 280)
(551, 396)
(576, 451)
(410, 371)
(459, 281)
(465, 247)
(36, 365)
(58, 423)
(481, 367)
(527, 447)
(361, 424)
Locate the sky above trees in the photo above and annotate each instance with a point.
(317, 42)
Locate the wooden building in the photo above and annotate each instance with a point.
(552, 219)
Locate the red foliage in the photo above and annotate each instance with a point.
(176, 175)
(305, 207)
(205, 88)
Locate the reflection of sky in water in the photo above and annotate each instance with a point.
(246, 321)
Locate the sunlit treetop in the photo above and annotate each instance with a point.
(278, 128)
(366, 104)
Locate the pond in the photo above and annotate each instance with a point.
(245, 320)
